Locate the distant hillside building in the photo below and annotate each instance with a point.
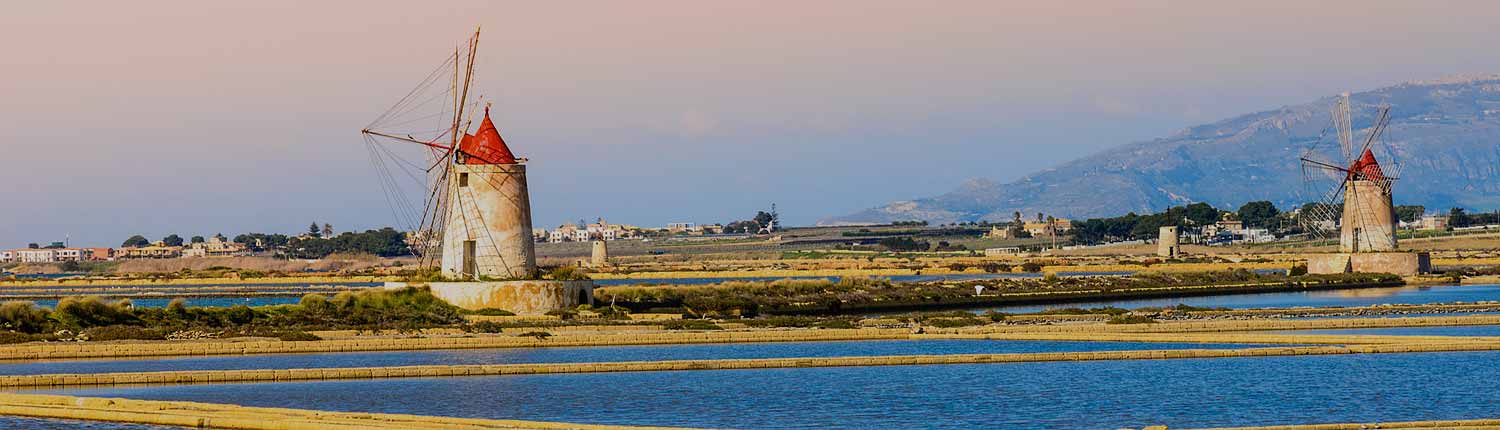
(1433, 222)
(215, 247)
(155, 250)
(1001, 231)
(1056, 227)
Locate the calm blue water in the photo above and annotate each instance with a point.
(1470, 330)
(199, 301)
(580, 355)
(1346, 298)
(293, 294)
(19, 423)
(1053, 395)
(263, 286)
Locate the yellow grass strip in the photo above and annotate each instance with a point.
(35, 351)
(225, 416)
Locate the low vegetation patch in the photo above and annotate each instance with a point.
(96, 319)
(1130, 319)
(690, 325)
(853, 294)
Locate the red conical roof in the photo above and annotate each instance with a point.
(1366, 168)
(486, 146)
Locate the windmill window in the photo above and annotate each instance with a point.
(463, 179)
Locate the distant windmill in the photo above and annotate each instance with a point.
(1354, 190)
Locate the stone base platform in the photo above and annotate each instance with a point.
(521, 297)
(1396, 263)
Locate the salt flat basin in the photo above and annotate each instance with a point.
(1411, 294)
(580, 355)
(1467, 330)
(1183, 393)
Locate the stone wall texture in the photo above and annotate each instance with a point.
(521, 297)
(1396, 263)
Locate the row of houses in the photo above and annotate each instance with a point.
(55, 255)
(583, 233)
(603, 230)
(212, 247)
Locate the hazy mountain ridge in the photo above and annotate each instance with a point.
(1446, 132)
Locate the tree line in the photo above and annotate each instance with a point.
(318, 243)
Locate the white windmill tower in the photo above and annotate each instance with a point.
(1356, 198)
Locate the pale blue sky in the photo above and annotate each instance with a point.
(203, 117)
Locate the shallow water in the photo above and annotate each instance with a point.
(1060, 395)
(1347, 298)
(580, 354)
(293, 293)
(218, 302)
(22, 423)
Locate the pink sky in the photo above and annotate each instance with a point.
(203, 117)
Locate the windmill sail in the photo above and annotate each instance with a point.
(414, 143)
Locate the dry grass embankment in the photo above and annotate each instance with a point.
(1222, 331)
(224, 416)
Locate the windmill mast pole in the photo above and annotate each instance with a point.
(463, 96)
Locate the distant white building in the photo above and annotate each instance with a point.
(49, 255)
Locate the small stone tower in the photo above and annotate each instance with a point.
(1166, 243)
(601, 253)
(488, 231)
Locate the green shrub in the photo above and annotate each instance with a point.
(10, 337)
(1031, 267)
(781, 321)
(24, 317)
(240, 314)
(834, 324)
(567, 273)
(995, 267)
(1130, 319)
(484, 327)
(80, 313)
(297, 336)
(995, 316)
(540, 335)
(690, 325)
(177, 307)
(951, 322)
(1298, 270)
(492, 312)
(124, 332)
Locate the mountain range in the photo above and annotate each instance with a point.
(1444, 134)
